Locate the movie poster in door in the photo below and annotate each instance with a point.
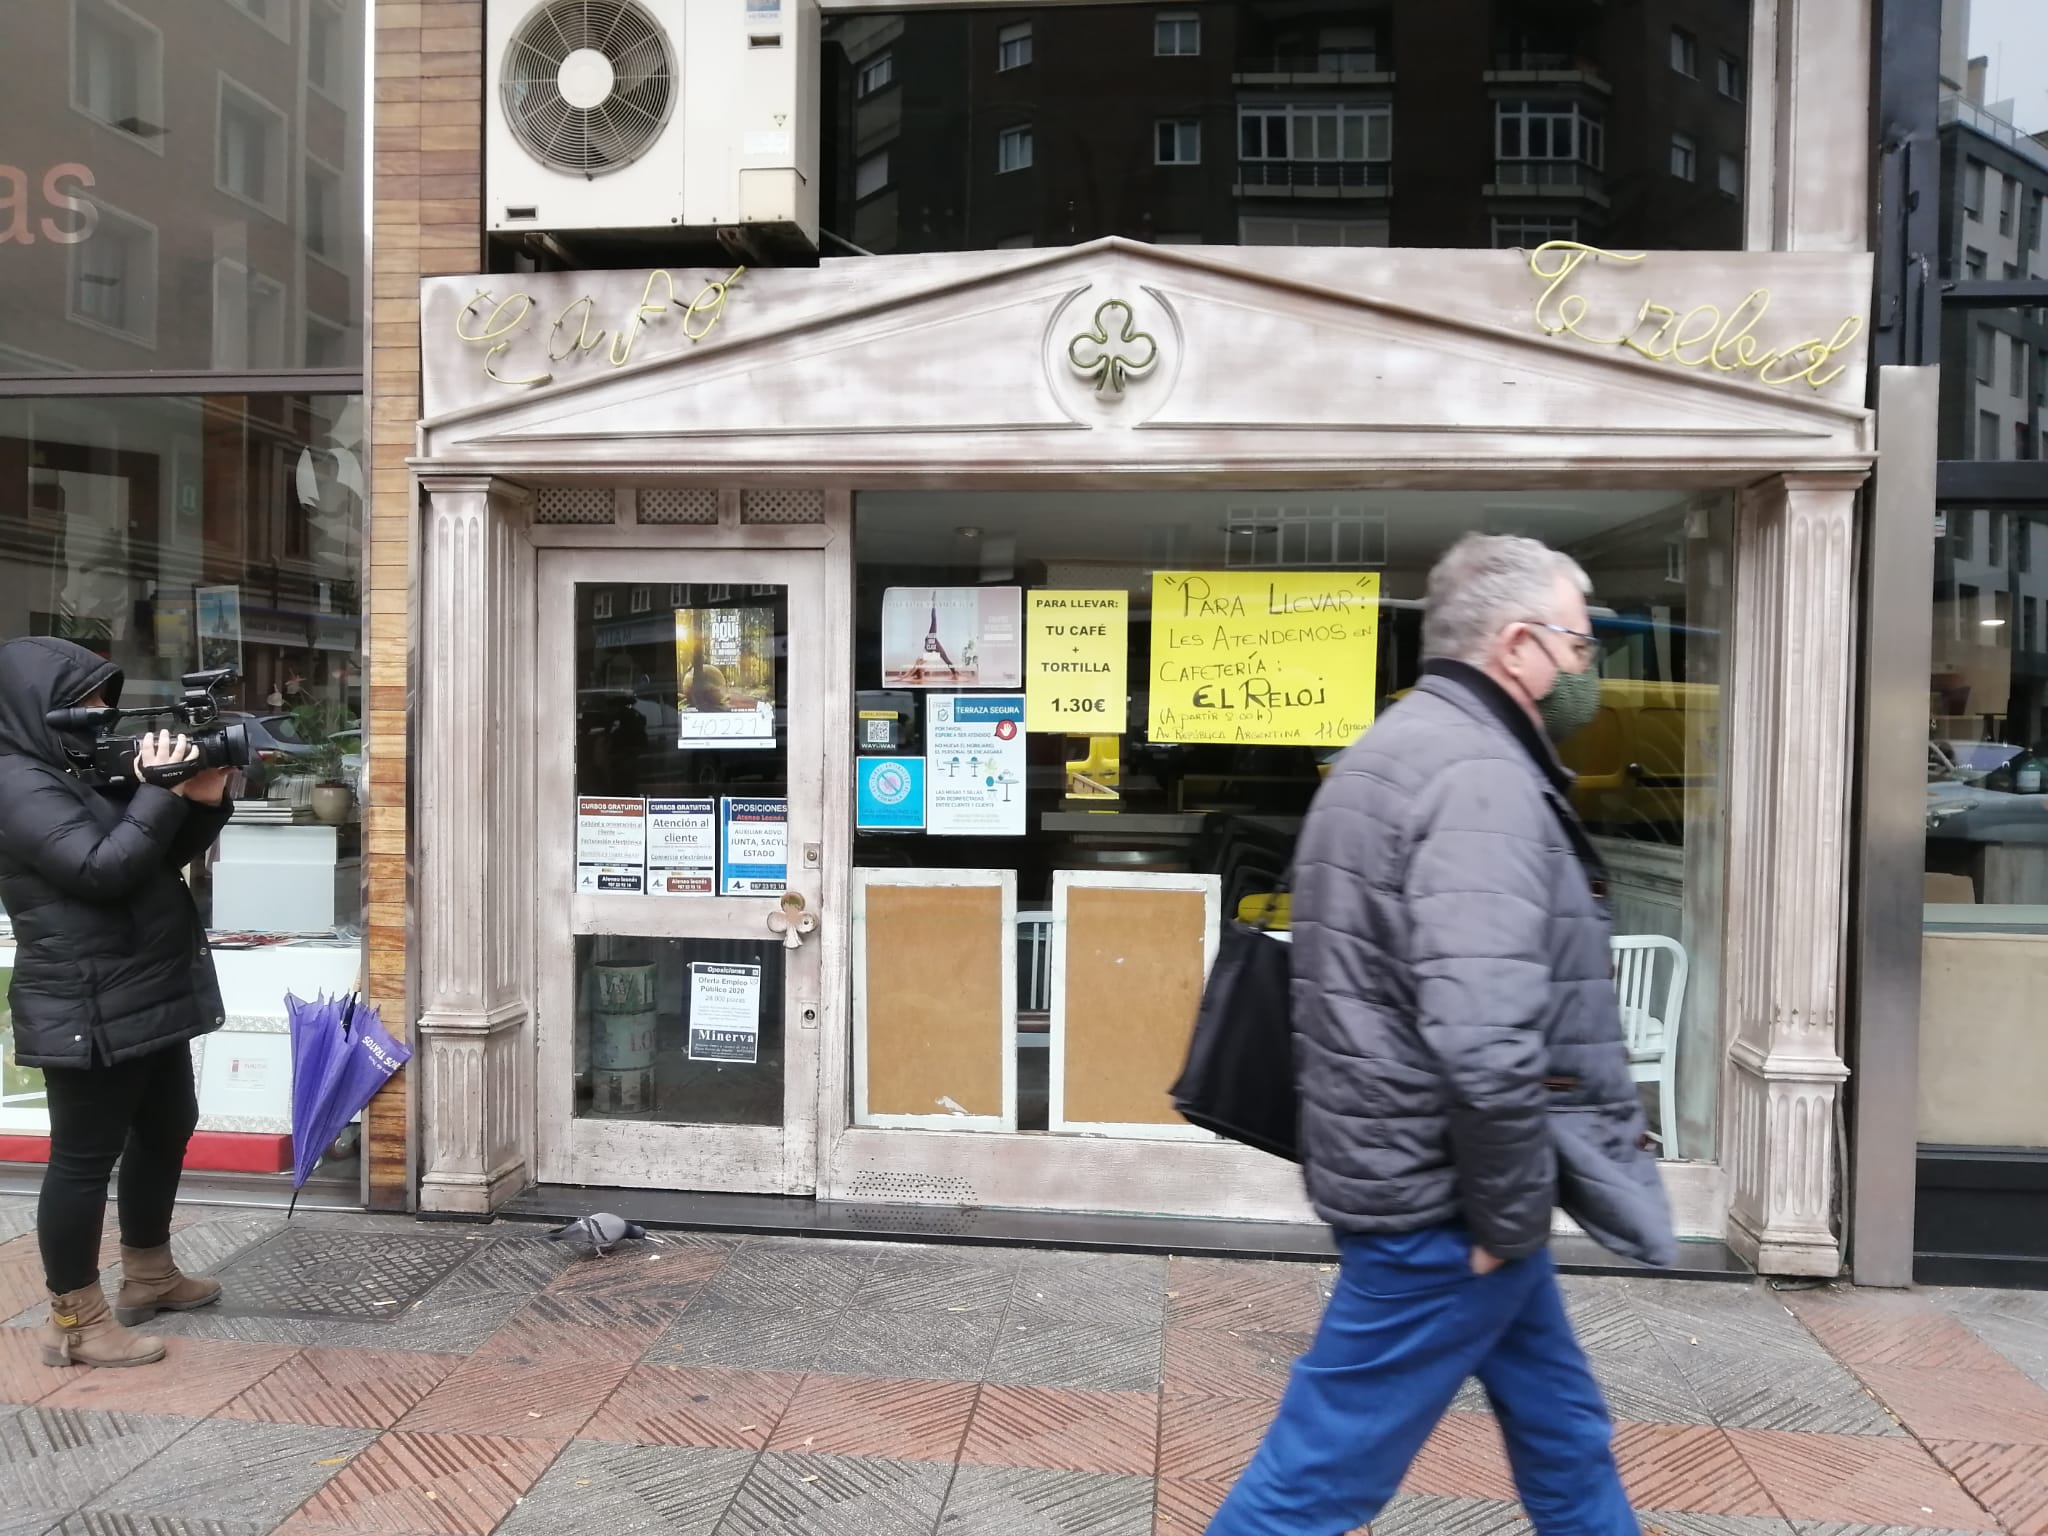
(953, 637)
(725, 677)
(1264, 658)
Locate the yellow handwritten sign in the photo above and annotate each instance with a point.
(1075, 647)
(491, 322)
(1264, 657)
(1700, 337)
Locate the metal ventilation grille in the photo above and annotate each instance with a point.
(557, 504)
(783, 507)
(588, 85)
(698, 508)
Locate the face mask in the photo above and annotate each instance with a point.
(1571, 704)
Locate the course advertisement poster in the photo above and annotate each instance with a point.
(754, 838)
(974, 765)
(889, 794)
(1075, 648)
(953, 637)
(725, 1013)
(725, 677)
(1264, 658)
(611, 844)
(682, 847)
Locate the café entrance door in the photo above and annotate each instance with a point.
(680, 787)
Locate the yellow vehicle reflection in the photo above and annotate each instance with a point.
(1652, 747)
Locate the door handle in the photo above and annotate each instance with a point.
(789, 919)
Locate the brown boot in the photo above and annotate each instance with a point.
(80, 1332)
(151, 1282)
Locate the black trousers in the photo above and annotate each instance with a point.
(141, 1114)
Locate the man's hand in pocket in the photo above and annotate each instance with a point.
(1484, 1263)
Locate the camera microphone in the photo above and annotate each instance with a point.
(81, 719)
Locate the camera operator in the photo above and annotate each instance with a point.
(112, 981)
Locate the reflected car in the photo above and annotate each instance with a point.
(1961, 805)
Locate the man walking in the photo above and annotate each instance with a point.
(1462, 1071)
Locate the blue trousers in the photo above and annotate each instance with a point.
(1409, 1322)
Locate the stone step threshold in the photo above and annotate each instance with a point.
(877, 1221)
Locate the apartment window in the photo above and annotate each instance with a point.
(323, 210)
(1013, 150)
(1961, 525)
(1176, 35)
(326, 344)
(1684, 157)
(2008, 205)
(2030, 618)
(1988, 434)
(113, 276)
(2018, 370)
(1013, 46)
(250, 148)
(117, 69)
(1729, 76)
(1347, 50)
(2040, 217)
(325, 50)
(2023, 544)
(1973, 187)
(1731, 176)
(1528, 231)
(2022, 441)
(248, 319)
(2012, 272)
(274, 14)
(1305, 131)
(1180, 141)
(877, 73)
(1685, 52)
(1548, 130)
(1994, 540)
(1984, 350)
(871, 175)
(1975, 263)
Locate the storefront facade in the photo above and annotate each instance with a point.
(1112, 428)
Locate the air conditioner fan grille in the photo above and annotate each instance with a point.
(606, 134)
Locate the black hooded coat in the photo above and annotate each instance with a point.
(111, 960)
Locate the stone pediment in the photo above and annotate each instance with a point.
(1116, 357)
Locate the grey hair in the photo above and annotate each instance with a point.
(1485, 582)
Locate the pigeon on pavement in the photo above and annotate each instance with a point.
(597, 1234)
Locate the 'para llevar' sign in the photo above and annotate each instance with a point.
(1264, 658)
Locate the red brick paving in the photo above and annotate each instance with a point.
(550, 1397)
(873, 1416)
(1265, 1298)
(682, 1405)
(342, 1388)
(1220, 1363)
(1693, 1467)
(2009, 1480)
(424, 1485)
(1882, 1480)
(1072, 1431)
(24, 1379)
(1993, 1402)
(198, 1377)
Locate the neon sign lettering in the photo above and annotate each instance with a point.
(1700, 337)
(492, 323)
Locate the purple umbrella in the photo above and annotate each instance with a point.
(341, 1056)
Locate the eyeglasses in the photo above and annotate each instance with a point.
(1584, 644)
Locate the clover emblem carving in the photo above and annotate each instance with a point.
(1112, 361)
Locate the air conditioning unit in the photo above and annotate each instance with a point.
(624, 116)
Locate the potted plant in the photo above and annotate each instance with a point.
(316, 724)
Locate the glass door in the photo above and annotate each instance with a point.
(680, 787)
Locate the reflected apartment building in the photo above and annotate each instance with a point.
(1410, 123)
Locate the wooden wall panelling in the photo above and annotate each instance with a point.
(426, 218)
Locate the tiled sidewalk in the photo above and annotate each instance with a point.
(378, 1376)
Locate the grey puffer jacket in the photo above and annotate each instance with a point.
(1458, 1044)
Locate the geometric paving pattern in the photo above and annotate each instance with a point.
(370, 1377)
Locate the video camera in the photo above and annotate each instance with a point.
(198, 714)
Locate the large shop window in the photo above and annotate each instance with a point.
(175, 534)
(1089, 726)
(1985, 947)
(149, 151)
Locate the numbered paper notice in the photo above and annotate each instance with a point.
(611, 845)
(725, 1013)
(725, 663)
(1075, 645)
(1264, 658)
